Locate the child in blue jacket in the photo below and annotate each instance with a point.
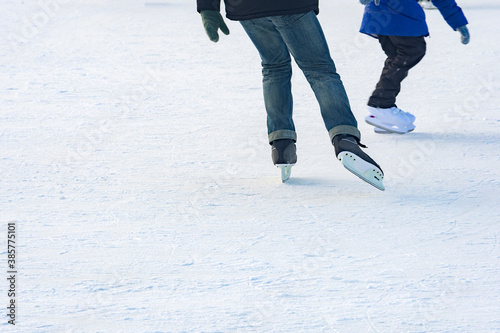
(400, 27)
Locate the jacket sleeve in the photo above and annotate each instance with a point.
(451, 13)
(208, 5)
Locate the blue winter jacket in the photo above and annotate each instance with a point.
(406, 17)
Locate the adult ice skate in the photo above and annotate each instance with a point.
(356, 161)
(284, 155)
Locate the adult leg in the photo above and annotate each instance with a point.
(403, 53)
(276, 77)
(304, 38)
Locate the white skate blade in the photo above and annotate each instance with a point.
(381, 130)
(364, 170)
(286, 171)
(388, 127)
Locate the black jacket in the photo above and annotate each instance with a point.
(240, 10)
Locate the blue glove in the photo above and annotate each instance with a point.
(464, 32)
(366, 2)
(212, 22)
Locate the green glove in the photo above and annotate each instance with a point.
(212, 22)
(464, 32)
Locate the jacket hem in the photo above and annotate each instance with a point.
(273, 13)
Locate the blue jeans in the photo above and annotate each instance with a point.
(276, 37)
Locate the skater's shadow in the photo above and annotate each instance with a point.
(326, 182)
(479, 138)
(311, 181)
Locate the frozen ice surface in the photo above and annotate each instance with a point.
(133, 157)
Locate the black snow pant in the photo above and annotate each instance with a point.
(403, 53)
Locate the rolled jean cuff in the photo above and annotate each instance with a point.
(282, 134)
(344, 129)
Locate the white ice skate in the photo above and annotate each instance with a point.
(392, 120)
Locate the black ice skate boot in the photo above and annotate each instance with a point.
(284, 155)
(349, 153)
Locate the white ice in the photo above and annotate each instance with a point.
(134, 160)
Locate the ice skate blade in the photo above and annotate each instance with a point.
(286, 171)
(379, 130)
(364, 170)
(388, 127)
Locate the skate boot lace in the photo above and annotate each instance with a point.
(400, 113)
(396, 111)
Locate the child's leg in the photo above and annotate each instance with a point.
(403, 53)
